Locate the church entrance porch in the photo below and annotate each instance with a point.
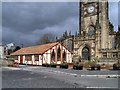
(86, 53)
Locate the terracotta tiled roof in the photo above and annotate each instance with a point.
(40, 49)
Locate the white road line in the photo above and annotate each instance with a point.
(103, 87)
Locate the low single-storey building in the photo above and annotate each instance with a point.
(41, 54)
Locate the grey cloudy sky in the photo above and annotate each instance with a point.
(26, 22)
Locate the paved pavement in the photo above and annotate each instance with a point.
(105, 73)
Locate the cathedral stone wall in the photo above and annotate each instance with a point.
(96, 36)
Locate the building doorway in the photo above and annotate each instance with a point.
(85, 53)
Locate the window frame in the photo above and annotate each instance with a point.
(64, 58)
(52, 56)
(104, 55)
(59, 59)
(115, 55)
(36, 56)
(16, 57)
(28, 57)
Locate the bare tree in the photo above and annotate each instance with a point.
(46, 38)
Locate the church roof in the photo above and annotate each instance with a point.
(39, 49)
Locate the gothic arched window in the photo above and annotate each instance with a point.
(114, 44)
(64, 56)
(58, 54)
(53, 56)
(91, 30)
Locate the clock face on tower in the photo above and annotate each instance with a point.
(91, 9)
(90, 12)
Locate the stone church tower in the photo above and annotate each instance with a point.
(96, 37)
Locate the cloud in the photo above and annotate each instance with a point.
(26, 22)
(18, 38)
(27, 17)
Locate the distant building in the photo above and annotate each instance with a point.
(12, 48)
(41, 54)
(3, 51)
(10, 45)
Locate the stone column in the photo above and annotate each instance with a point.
(104, 25)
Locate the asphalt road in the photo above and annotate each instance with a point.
(27, 79)
(43, 79)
